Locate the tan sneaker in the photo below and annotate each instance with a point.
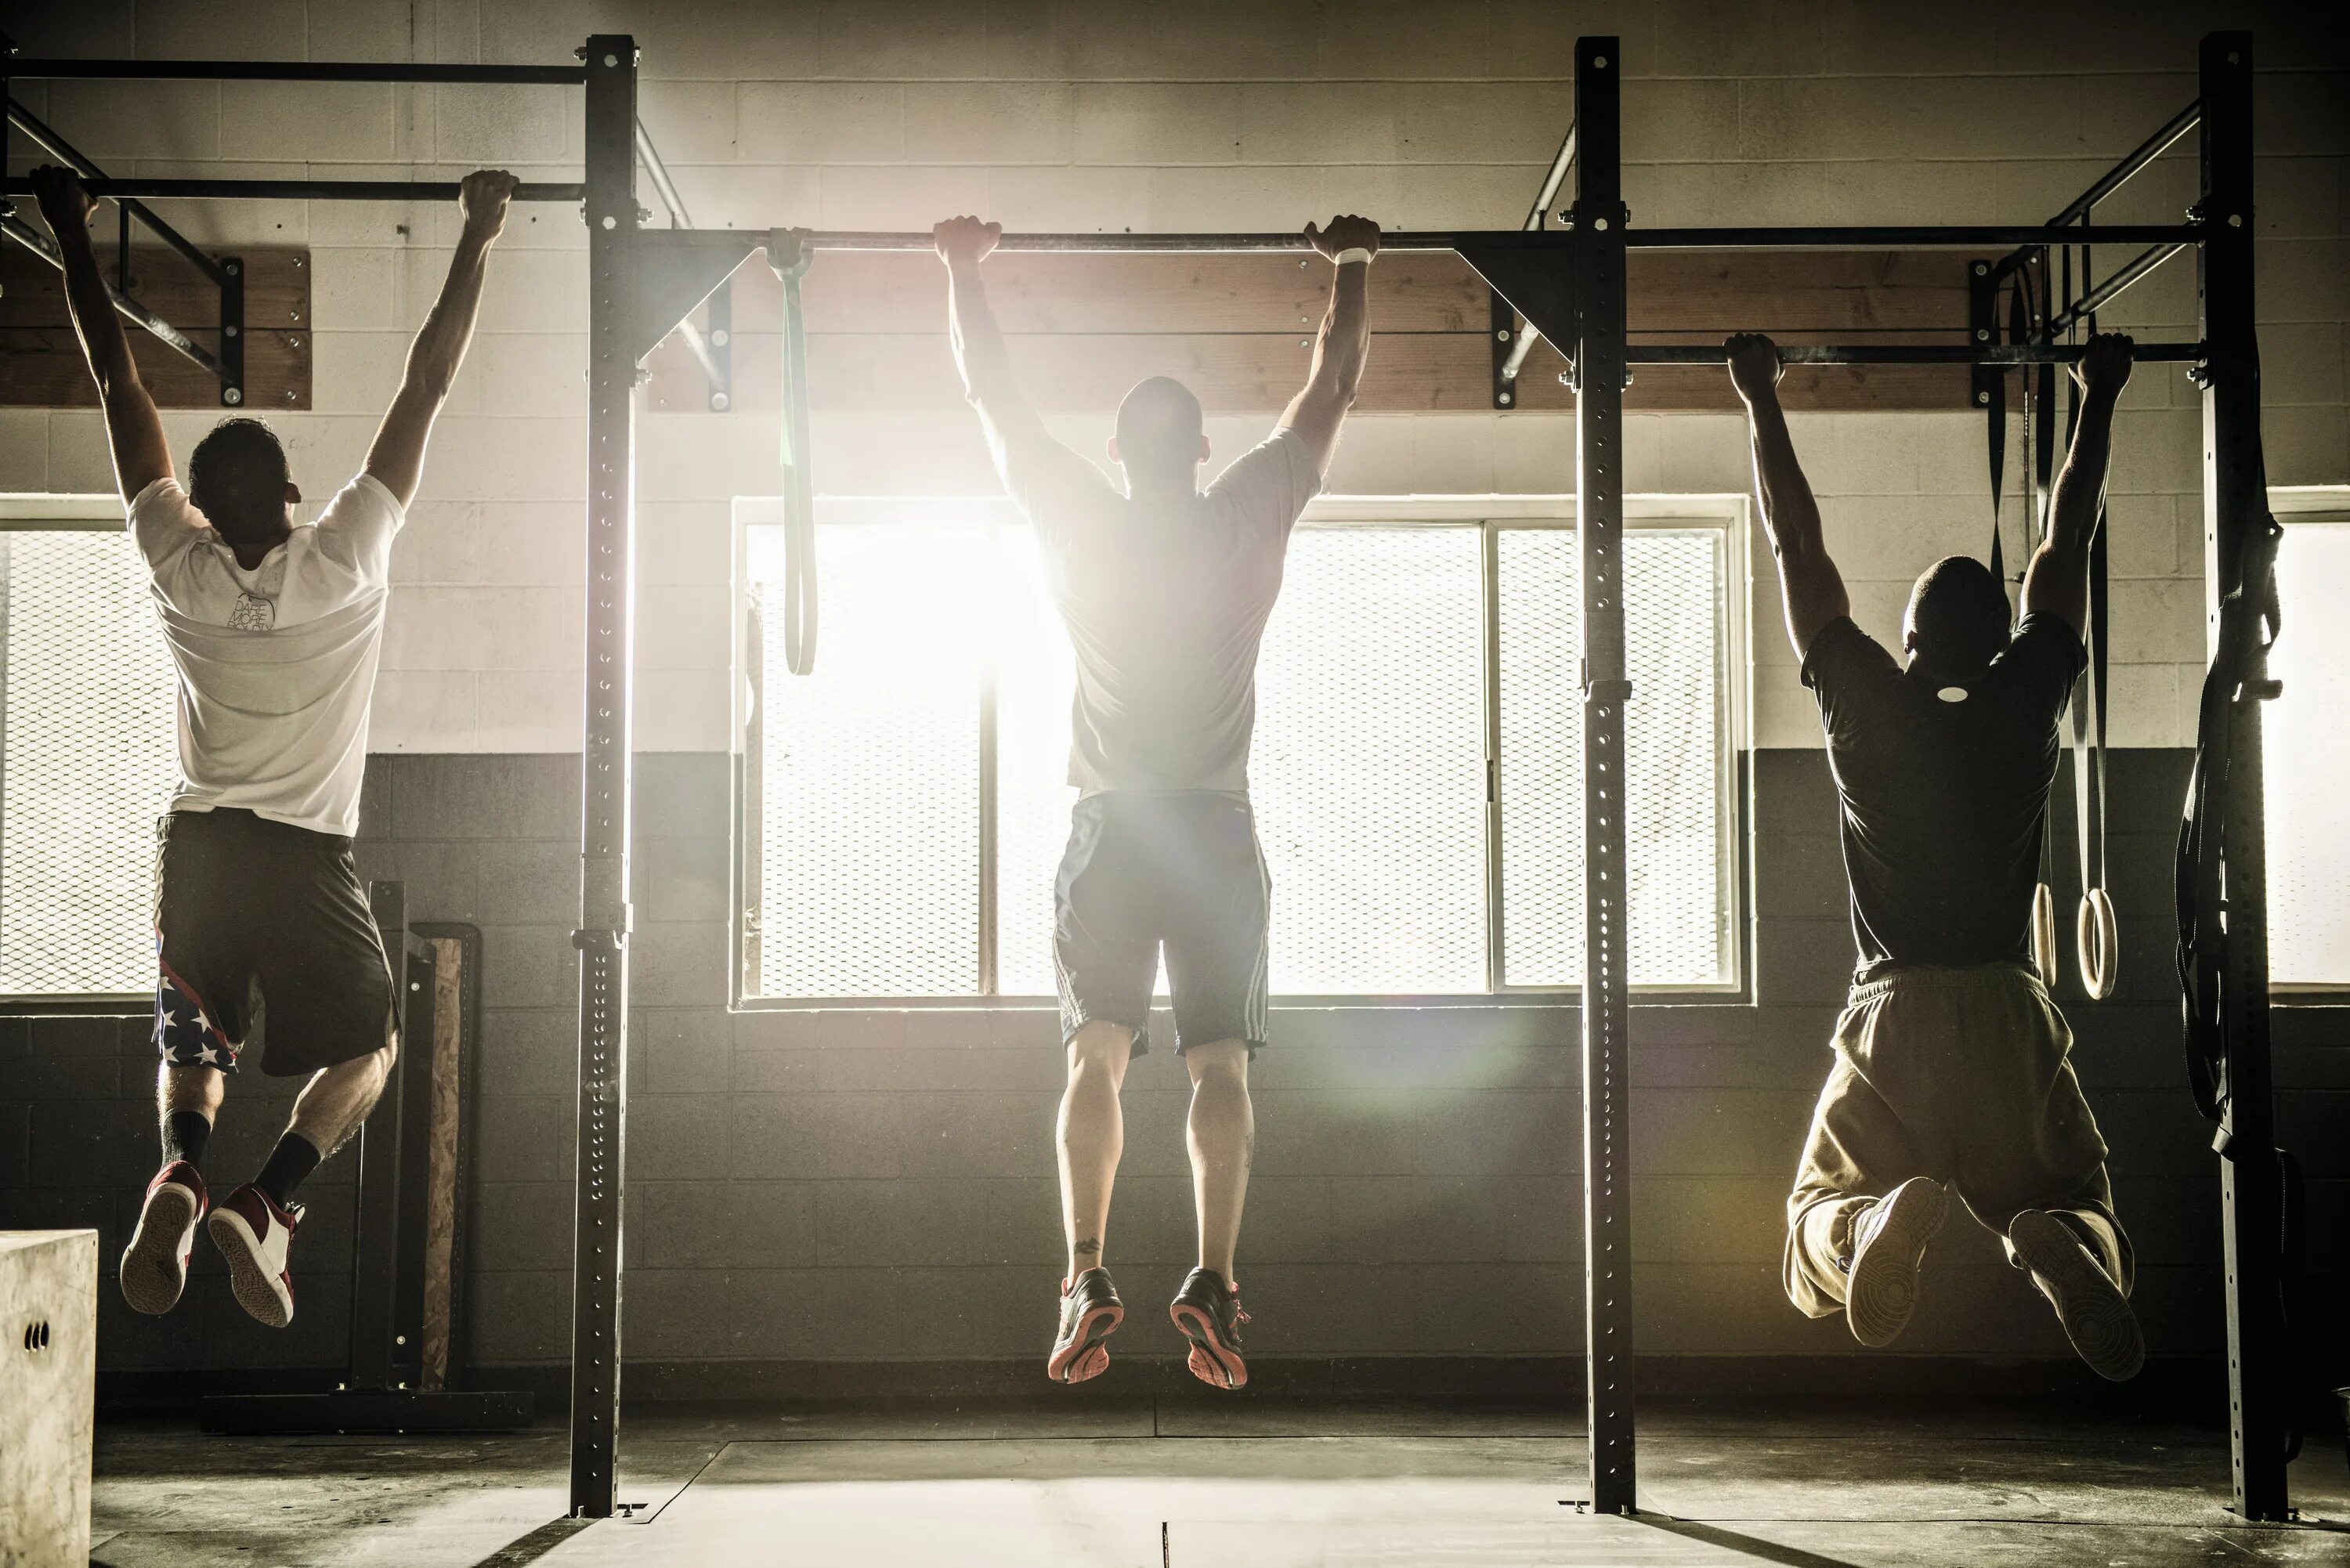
(2097, 1315)
(1887, 1241)
(155, 1265)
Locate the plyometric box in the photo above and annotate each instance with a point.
(41, 363)
(48, 1371)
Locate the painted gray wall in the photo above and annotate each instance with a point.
(819, 1186)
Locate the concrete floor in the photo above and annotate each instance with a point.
(1156, 1483)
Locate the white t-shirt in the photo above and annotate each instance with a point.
(278, 664)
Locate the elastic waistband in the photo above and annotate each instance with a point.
(1925, 977)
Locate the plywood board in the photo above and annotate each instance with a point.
(41, 363)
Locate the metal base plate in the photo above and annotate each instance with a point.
(402, 1410)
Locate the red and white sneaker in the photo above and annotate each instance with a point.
(155, 1265)
(252, 1234)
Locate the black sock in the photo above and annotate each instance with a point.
(294, 1157)
(185, 1133)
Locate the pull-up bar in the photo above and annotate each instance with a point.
(1906, 353)
(296, 71)
(1540, 239)
(296, 189)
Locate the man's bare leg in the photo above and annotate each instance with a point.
(1222, 1136)
(197, 1090)
(1092, 1137)
(336, 1099)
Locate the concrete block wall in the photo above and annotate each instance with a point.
(852, 1185)
(1056, 114)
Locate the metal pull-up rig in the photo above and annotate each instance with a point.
(1568, 282)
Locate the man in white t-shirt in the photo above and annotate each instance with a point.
(275, 629)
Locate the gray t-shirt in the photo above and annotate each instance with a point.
(1166, 603)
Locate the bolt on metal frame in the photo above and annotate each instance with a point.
(1569, 285)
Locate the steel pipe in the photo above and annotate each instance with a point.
(57, 147)
(843, 240)
(650, 156)
(1907, 353)
(1537, 217)
(2106, 292)
(2152, 147)
(297, 71)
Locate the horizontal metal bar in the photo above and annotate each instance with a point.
(2152, 147)
(297, 71)
(296, 189)
(840, 240)
(41, 245)
(2106, 292)
(1905, 353)
(57, 147)
(1913, 238)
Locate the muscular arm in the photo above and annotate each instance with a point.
(134, 430)
(2057, 581)
(1012, 421)
(395, 458)
(1343, 345)
(1811, 590)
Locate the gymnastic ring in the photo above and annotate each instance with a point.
(2044, 935)
(2097, 939)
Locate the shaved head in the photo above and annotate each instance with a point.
(1159, 432)
(1957, 621)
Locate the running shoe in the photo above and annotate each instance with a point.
(2097, 1315)
(1090, 1314)
(1209, 1312)
(155, 1265)
(1887, 1240)
(253, 1233)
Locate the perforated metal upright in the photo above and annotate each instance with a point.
(1600, 369)
(606, 770)
(2250, 1174)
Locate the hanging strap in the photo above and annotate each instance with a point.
(788, 254)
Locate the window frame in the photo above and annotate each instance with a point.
(68, 512)
(2293, 504)
(1723, 513)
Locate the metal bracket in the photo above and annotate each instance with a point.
(231, 331)
(718, 342)
(1982, 326)
(677, 269)
(1532, 279)
(1505, 342)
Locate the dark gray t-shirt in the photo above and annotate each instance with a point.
(1166, 603)
(1944, 791)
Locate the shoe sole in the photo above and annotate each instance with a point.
(1085, 1356)
(1882, 1291)
(2094, 1314)
(256, 1290)
(1211, 1361)
(154, 1269)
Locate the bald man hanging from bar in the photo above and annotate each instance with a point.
(1165, 589)
(1952, 1074)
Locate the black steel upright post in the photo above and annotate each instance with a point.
(1600, 366)
(606, 769)
(2251, 1184)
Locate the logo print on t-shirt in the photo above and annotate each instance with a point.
(1952, 693)
(252, 613)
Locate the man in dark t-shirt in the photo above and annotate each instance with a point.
(1951, 1070)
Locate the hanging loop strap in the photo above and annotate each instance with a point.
(2090, 755)
(789, 254)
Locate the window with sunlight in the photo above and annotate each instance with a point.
(88, 760)
(2306, 760)
(906, 808)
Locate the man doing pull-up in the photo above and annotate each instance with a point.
(1165, 589)
(276, 628)
(1950, 1067)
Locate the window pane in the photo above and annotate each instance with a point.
(1036, 676)
(869, 862)
(1680, 925)
(91, 762)
(1369, 768)
(2308, 762)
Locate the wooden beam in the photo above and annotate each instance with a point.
(41, 364)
